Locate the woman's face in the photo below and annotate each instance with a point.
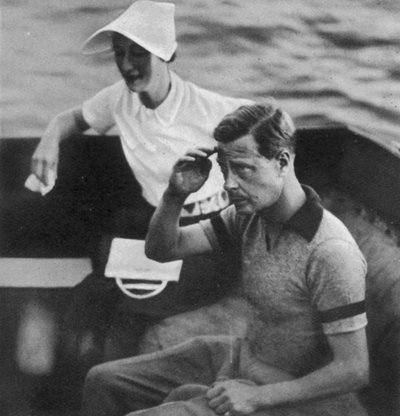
(137, 66)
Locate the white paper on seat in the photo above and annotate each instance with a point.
(127, 260)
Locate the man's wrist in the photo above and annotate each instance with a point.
(173, 195)
(265, 396)
(270, 395)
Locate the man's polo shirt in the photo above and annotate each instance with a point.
(153, 140)
(304, 279)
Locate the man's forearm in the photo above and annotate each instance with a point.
(163, 236)
(334, 379)
(166, 240)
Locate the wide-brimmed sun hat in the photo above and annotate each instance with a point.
(150, 24)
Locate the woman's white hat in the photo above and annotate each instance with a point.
(150, 24)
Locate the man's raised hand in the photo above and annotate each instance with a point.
(191, 171)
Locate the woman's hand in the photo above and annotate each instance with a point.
(45, 158)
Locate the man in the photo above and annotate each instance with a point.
(158, 117)
(305, 350)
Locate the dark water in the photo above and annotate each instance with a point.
(336, 60)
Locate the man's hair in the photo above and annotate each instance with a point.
(272, 128)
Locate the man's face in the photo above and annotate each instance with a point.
(137, 65)
(252, 181)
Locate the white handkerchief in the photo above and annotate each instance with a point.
(35, 185)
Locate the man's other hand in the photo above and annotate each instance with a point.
(234, 397)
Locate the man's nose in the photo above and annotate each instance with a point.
(230, 182)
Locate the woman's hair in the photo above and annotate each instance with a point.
(116, 35)
(271, 127)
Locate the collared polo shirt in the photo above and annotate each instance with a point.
(153, 139)
(304, 280)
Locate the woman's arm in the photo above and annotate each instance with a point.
(61, 127)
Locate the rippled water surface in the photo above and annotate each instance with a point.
(336, 60)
